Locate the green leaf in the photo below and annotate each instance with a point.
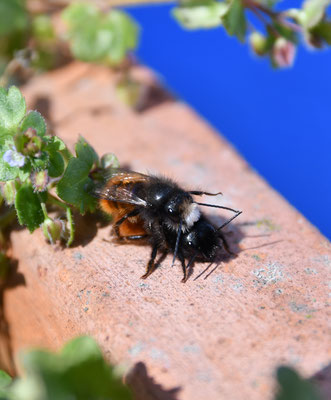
(86, 153)
(54, 143)
(205, 15)
(72, 187)
(77, 372)
(124, 35)
(234, 20)
(12, 110)
(13, 16)
(7, 173)
(81, 349)
(28, 207)
(54, 148)
(78, 14)
(56, 165)
(24, 173)
(322, 31)
(88, 40)
(5, 380)
(91, 44)
(312, 12)
(96, 36)
(36, 121)
(42, 28)
(292, 386)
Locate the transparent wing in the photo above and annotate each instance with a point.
(119, 185)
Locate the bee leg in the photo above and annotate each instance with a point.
(200, 193)
(151, 263)
(132, 213)
(182, 260)
(162, 258)
(225, 244)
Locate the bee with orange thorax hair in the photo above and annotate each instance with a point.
(156, 208)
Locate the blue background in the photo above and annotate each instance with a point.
(279, 120)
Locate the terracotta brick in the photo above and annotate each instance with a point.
(222, 334)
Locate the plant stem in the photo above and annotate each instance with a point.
(43, 207)
(71, 227)
(258, 9)
(53, 200)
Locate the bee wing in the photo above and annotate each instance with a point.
(118, 187)
(121, 195)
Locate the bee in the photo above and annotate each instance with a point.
(201, 242)
(156, 208)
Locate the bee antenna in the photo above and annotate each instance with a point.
(215, 206)
(231, 219)
(177, 242)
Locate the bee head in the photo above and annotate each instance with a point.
(174, 205)
(180, 207)
(201, 239)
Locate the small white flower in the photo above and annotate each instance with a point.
(14, 158)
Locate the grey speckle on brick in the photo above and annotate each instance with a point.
(78, 256)
(191, 348)
(324, 259)
(270, 274)
(136, 349)
(310, 271)
(297, 307)
(218, 279)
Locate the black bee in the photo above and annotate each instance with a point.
(157, 208)
(201, 242)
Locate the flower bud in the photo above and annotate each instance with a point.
(258, 43)
(39, 180)
(129, 92)
(109, 160)
(283, 53)
(28, 142)
(9, 192)
(53, 229)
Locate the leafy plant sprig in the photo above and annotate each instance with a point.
(28, 37)
(96, 36)
(78, 371)
(30, 41)
(272, 33)
(38, 171)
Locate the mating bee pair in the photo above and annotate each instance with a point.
(156, 208)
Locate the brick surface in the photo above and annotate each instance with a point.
(220, 335)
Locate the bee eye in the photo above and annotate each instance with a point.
(170, 210)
